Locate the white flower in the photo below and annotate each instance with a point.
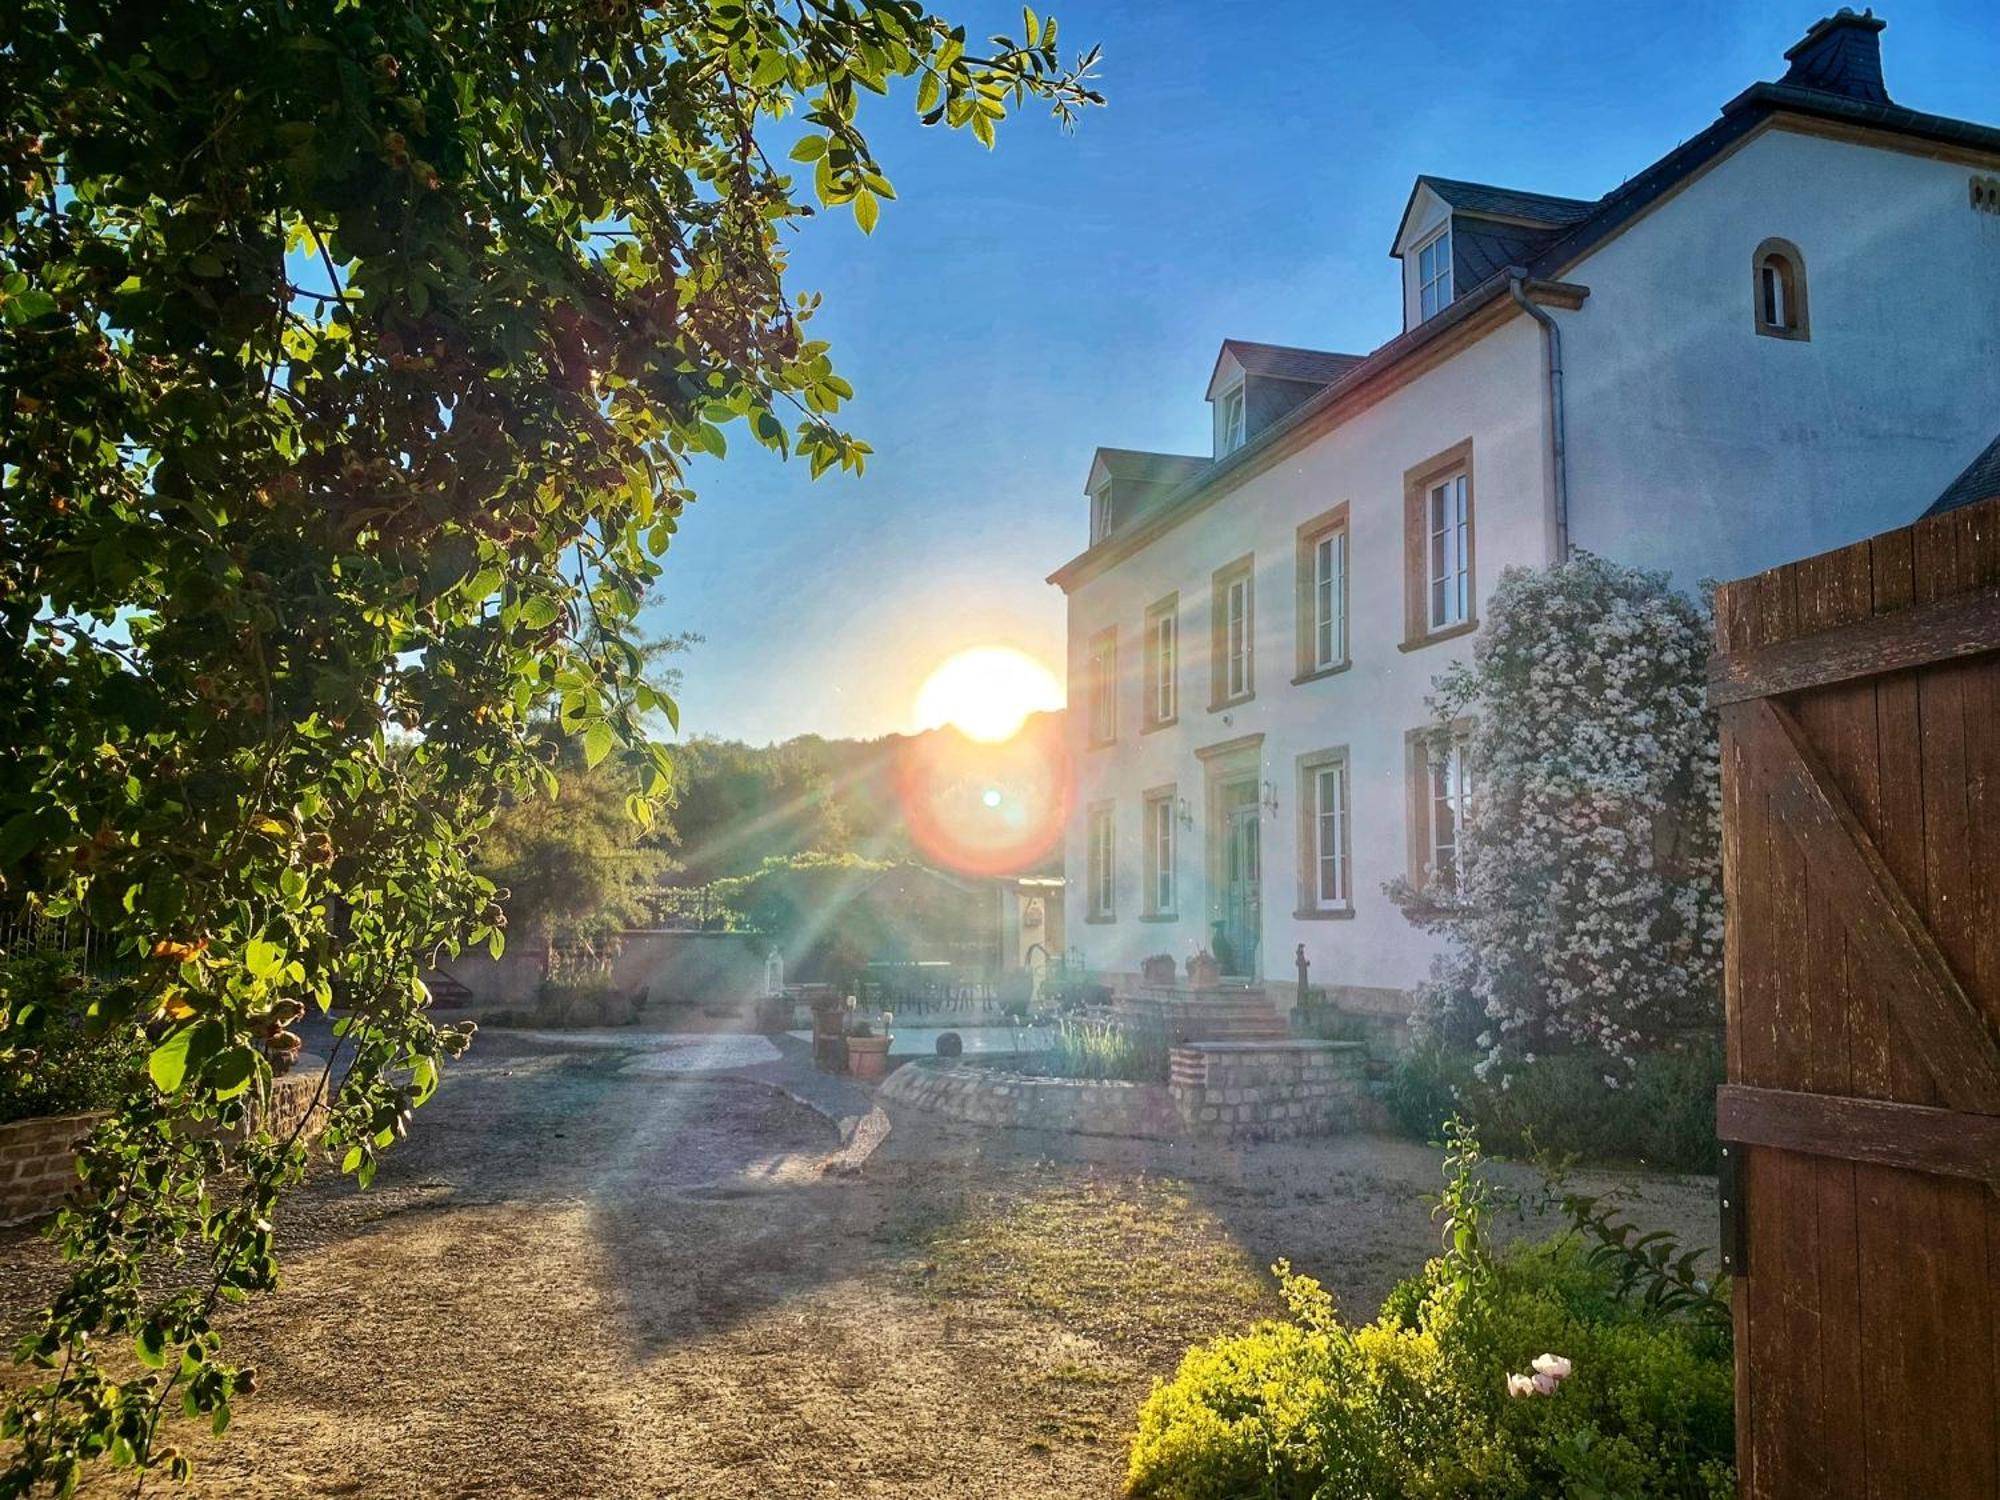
(1553, 1365)
(1545, 1385)
(1520, 1385)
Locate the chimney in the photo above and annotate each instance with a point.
(1842, 54)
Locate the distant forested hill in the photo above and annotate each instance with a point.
(738, 805)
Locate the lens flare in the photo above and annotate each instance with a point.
(987, 692)
(986, 808)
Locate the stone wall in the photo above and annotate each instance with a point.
(38, 1155)
(988, 1096)
(38, 1162)
(1268, 1090)
(668, 967)
(1233, 1091)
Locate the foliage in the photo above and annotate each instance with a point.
(356, 358)
(62, 1057)
(572, 868)
(1660, 1110)
(1586, 909)
(1649, 1265)
(1416, 1405)
(736, 806)
(1085, 1046)
(797, 900)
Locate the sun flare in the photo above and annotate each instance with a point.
(987, 692)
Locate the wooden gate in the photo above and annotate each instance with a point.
(1860, 702)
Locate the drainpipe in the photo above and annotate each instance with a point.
(1558, 452)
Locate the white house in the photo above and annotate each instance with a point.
(1781, 337)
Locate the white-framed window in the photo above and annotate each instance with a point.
(1434, 275)
(1163, 661)
(1332, 888)
(1231, 420)
(1448, 572)
(1779, 286)
(1100, 890)
(1237, 626)
(1449, 793)
(1159, 826)
(1103, 686)
(1772, 293)
(1232, 633)
(1329, 595)
(1100, 513)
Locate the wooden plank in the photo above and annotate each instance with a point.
(1968, 1458)
(1930, 1007)
(1948, 1142)
(1900, 828)
(1945, 629)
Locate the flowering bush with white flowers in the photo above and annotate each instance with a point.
(1585, 908)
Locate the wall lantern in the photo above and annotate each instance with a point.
(1271, 797)
(1183, 812)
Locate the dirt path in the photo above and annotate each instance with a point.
(581, 1279)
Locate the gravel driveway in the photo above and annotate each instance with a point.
(586, 1277)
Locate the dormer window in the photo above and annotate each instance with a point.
(1231, 420)
(1100, 513)
(1778, 286)
(1434, 275)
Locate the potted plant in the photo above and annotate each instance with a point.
(1203, 972)
(868, 1053)
(1157, 970)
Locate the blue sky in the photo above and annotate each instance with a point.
(1015, 309)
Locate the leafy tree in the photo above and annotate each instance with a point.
(572, 868)
(1586, 912)
(355, 359)
(735, 806)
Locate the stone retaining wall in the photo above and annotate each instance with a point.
(1268, 1090)
(1232, 1091)
(38, 1155)
(38, 1162)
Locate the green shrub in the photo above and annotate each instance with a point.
(1662, 1114)
(1415, 1406)
(62, 1060)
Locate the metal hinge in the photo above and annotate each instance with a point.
(1735, 1238)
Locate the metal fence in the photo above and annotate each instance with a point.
(25, 931)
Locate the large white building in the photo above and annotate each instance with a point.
(1781, 337)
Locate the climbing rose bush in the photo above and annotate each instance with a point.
(1586, 910)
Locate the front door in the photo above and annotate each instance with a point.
(1242, 868)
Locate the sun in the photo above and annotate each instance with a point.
(987, 692)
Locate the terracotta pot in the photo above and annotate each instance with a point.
(868, 1056)
(1204, 973)
(1157, 970)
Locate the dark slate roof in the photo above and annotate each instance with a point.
(1283, 362)
(1841, 55)
(1510, 203)
(1980, 481)
(1136, 465)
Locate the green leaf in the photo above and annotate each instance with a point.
(866, 208)
(809, 148)
(597, 742)
(151, 1346)
(231, 1073)
(263, 959)
(168, 1065)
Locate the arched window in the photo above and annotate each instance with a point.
(1778, 290)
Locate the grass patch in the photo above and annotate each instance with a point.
(1130, 1260)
